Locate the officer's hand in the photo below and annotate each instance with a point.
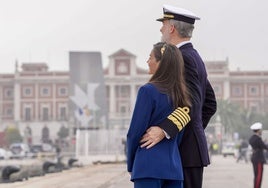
(152, 136)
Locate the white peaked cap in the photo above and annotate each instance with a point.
(180, 14)
(256, 126)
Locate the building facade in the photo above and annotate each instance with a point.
(122, 79)
(249, 89)
(36, 97)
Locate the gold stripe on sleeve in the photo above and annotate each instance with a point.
(180, 117)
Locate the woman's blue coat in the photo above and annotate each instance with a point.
(163, 160)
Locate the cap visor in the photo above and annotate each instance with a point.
(160, 19)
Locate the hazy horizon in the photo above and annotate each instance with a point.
(45, 31)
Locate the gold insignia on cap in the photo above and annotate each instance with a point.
(168, 16)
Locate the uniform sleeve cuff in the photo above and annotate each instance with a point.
(169, 128)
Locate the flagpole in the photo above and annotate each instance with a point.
(86, 142)
(77, 135)
(85, 103)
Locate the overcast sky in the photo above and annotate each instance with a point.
(46, 30)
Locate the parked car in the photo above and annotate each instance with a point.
(41, 149)
(5, 154)
(229, 148)
(19, 151)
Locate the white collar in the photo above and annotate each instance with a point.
(183, 43)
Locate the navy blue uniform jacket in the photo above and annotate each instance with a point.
(193, 147)
(257, 149)
(163, 160)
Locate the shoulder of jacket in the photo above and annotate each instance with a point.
(148, 86)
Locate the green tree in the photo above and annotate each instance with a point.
(230, 115)
(12, 135)
(63, 132)
(236, 119)
(253, 117)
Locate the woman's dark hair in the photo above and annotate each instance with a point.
(169, 76)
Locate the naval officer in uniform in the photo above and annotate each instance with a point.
(257, 157)
(177, 28)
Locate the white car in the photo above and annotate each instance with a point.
(19, 150)
(5, 154)
(229, 148)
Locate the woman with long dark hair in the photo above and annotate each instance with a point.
(166, 91)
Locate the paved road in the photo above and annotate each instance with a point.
(225, 172)
(222, 173)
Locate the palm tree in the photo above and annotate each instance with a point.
(229, 114)
(236, 119)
